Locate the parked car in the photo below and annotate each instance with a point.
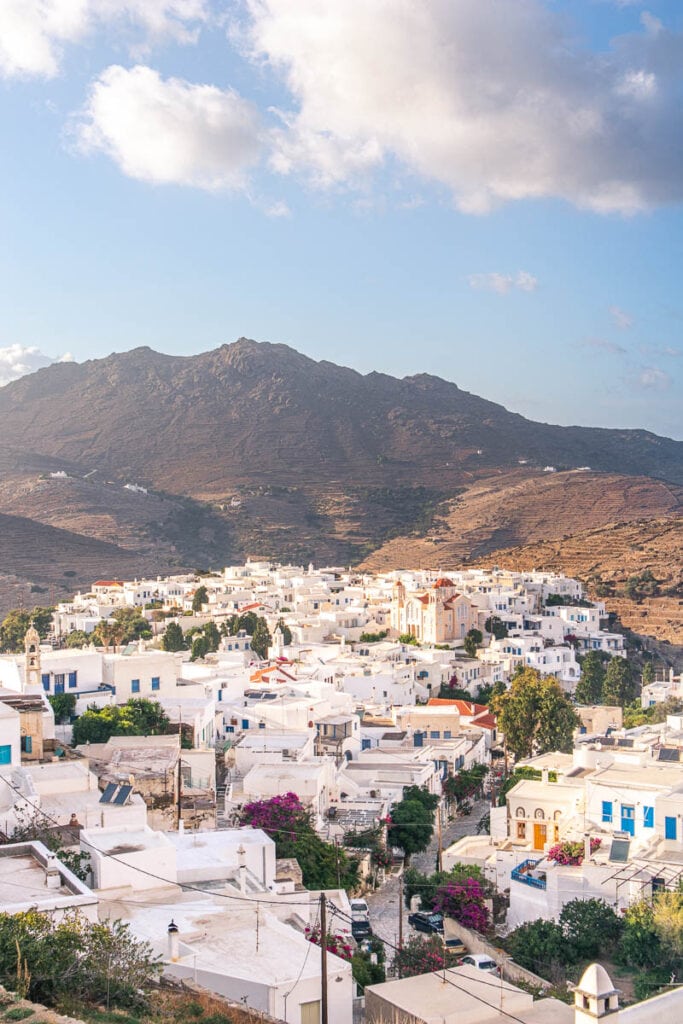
(360, 928)
(481, 961)
(455, 945)
(425, 922)
(360, 907)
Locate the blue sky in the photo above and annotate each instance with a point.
(484, 190)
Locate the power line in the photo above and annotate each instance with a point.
(168, 881)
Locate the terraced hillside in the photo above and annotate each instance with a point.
(605, 557)
(527, 507)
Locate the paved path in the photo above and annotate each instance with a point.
(383, 903)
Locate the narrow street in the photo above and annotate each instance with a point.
(384, 902)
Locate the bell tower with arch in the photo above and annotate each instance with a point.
(32, 673)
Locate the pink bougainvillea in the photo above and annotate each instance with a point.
(464, 902)
(281, 817)
(337, 944)
(571, 854)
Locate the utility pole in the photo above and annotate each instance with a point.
(439, 848)
(323, 959)
(179, 798)
(400, 921)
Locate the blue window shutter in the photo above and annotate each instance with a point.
(245, 723)
(156, 682)
(135, 686)
(72, 679)
(607, 811)
(46, 680)
(648, 817)
(669, 826)
(6, 754)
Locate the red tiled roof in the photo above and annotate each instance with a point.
(108, 583)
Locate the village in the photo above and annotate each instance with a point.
(262, 771)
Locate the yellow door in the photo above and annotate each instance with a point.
(540, 834)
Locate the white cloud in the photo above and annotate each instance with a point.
(18, 360)
(503, 283)
(169, 131)
(33, 33)
(622, 319)
(653, 379)
(495, 101)
(602, 344)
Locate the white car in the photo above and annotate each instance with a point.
(481, 961)
(359, 907)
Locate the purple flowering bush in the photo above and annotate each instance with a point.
(464, 901)
(571, 854)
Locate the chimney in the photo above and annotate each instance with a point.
(173, 943)
(53, 879)
(242, 861)
(545, 776)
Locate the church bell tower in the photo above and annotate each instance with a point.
(32, 673)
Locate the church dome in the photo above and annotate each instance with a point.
(443, 581)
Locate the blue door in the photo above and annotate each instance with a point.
(417, 739)
(6, 754)
(628, 819)
(669, 828)
(59, 683)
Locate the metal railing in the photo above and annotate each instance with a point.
(522, 874)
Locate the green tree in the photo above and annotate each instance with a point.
(590, 686)
(540, 946)
(200, 647)
(640, 945)
(78, 638)
(620, 687)
(472, 641)
(535, 715)
(173, 638)
(70, 957)
(591, 927)
(494, 625)
(16, 623)
(137, 717)
(648, 674)
(286, 632)
(247, 622)
(63, 705)
(412, 821)
(201, 597)
(213, 636)
(261, 639)
(132, 623)
(365, 972)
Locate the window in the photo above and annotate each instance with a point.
(245, 723)
(435, 734)
(156, 682)
(521, 830)
(365, 744)
(72, 679)
(669, 824)
(135, 686)
(46, 680)
(648, 817)
(26, 745)
(538, 814)
(607, 811)
(59, 682)
(6, 753)
(230, 728)
(447, 734)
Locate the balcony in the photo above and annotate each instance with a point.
(522, 873)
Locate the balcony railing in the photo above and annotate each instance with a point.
(522, 874)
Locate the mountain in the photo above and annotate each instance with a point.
(254, 448)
